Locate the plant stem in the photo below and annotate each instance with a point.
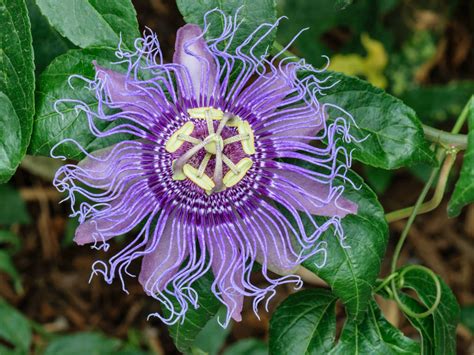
(451, 140)
(462, 117)
(441, 154)
(448, 140)
(435, 200)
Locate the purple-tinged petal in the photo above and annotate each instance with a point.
(228, 273)
(165, 254)
(307, 126)
(129, 97)
(120, 217)
(114, 163)
(192, 52)
(313, 196)
(276, 252)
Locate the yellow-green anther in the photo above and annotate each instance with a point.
(174, 143)
(202, 112)
(204, 181)
(231, 178)
(234, 121)
(248, 144)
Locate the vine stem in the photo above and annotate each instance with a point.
(397, 282)
(440, 155)
(463, 116)
(435, 200)
(451, 140)
(414, 211)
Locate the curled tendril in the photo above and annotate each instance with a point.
(395, 281)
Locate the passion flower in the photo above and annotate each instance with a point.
(230, 156)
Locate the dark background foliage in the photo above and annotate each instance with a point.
(46, 302)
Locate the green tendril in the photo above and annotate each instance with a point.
(398, 282)
(384, 282)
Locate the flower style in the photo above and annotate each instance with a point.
(229, 157)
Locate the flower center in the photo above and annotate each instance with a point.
(213, 143)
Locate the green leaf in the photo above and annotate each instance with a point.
(7, 266)
(9, 238)
(17, 81)
(351, 270)
(185, 333)
(49, 126)
(464, 190)
(88, 23)
(375, 335)
(12, 209)
(247, 347)
(252, 13)
(438, 331)
(378, 179)
(391, 132)
(15, 327)
(304, 323)
(212, 336)
(47, 43)
(83, 343)
(10, 139)
(467, 317)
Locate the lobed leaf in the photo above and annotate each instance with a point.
(464, 190)
(184, 333)
(17, 83)
(390, 133)
(251, 13)
(304, 323)
(211, 338)
(88, 23)
(15, 328)
(10, 139)
(47, 42)
(375, 335)
(351, 268)
(50, 126)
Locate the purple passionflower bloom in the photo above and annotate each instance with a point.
(230, 153)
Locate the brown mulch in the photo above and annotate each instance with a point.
(57, 293)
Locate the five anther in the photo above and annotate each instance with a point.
(214, 145)
(175, 142)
